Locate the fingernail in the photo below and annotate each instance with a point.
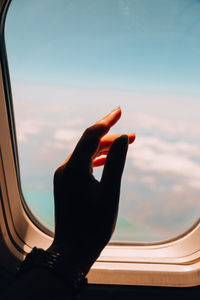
(132, 138)
(118, 107)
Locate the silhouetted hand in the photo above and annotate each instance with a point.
(86, 209)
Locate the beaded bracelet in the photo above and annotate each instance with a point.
(54, 261)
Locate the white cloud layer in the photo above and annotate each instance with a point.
(66, 138)
(29, 127)
(151, 154)
(163, 161)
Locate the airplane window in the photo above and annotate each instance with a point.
(71, 62)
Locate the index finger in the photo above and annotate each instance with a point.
(110, 119)
(90, 139)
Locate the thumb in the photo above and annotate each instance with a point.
(113, 169)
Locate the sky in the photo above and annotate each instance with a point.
(71, 62)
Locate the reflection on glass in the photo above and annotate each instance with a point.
(81, 59)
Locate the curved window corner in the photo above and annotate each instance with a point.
(169, 264)
(148, 55)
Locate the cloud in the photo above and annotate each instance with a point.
(147, 180)
(66, 134)
(195, 184)
(182, 128)
(156, 123)
(178, 159)
(66, 138)
(177, 188)
(29, 127)
(162, 178)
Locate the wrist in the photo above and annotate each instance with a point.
(55, 263)
(78, 259)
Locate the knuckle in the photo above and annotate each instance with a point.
(88, 131)
(95, 130)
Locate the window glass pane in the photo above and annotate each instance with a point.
(71, 62)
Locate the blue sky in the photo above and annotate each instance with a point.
(148, 45)
(71, 62)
